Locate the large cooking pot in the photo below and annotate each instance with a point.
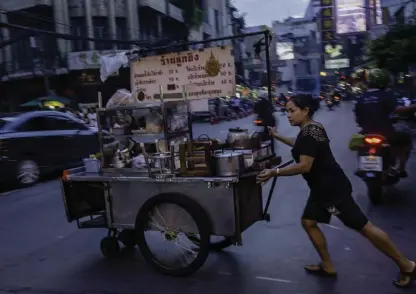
(238, 138)
(228, 164)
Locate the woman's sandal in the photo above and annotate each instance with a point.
(318, 270)
(410, 275)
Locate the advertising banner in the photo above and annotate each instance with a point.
(284, 50)
(327, 21)
(335, 55)
(209, 73)
(351, 16)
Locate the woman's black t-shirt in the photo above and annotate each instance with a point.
(326, 179)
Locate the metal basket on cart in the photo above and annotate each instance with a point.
(92, 165)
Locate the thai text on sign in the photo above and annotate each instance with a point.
(210, 71)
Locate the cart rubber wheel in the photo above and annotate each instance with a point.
(213, 246)
(128, 238)
(109, 247)
(198, 214)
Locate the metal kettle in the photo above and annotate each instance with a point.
(237, 137)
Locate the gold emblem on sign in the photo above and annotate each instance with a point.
(212, 66)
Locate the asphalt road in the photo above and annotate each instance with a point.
(41, 253)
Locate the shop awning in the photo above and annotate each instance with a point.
(47, 100)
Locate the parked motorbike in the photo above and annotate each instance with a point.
(374, 159)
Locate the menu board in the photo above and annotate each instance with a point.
(206, 73)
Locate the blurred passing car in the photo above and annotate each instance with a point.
(35, 143)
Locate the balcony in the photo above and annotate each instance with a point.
(14, 5)
(160, 6)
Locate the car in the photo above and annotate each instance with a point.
(35, 143)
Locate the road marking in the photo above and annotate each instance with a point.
(274, 280)
(10, 192)
(333, 227)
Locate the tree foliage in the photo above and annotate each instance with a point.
(193, 15)
(395, 51)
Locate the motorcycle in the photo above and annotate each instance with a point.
(374, 159)
(329, 104)
(282, 105)
(336, 100)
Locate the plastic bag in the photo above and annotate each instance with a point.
(121, 97)
(356, 141)
(110, 64)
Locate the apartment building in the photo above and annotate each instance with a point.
(144, 20)
(299, 52)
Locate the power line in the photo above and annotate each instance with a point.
(72, 37)
(44, 19)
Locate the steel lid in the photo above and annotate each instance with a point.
(238, 130)
(228, 154)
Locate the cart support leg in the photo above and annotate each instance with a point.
(266, 215)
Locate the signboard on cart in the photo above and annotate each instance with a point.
(207, 73)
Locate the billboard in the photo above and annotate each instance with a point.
(284, 50)
(209, 73)
(335, 56)
(351, 16)
(327, 23)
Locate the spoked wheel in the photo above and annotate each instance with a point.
(217, 243)
(28, 173)
(161, 234)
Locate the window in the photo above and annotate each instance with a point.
(50, 123)
(64, 124)
(101, 31)
(217, 21)
(79, 29)
(121, 26)
(36, 124)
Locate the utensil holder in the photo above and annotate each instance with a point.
(92, 165)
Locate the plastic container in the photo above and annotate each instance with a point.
(92, 165)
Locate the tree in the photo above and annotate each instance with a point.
(395, 50)
(193, 16)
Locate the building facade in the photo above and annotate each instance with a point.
(298, 44)
(144, 21)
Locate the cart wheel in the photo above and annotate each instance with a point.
(128, 238)
(149, 220)
(213, 245)
(109, 247)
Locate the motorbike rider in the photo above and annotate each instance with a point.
(265, 112)
(373, 114)
(283, 98)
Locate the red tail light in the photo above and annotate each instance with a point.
(258, 122)
(373, 140)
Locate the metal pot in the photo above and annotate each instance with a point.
(228, 164)
(238, 138)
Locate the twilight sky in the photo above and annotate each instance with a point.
(263, 12)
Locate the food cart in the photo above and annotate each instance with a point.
(156, 179)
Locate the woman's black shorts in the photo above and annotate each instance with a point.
(399, 139)
(345, 208)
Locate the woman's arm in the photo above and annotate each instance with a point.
(286, 140)
(304, 166)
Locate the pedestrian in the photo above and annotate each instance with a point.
(330, 192)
